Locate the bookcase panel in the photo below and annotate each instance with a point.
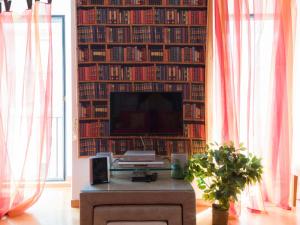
(140, 46)
(149, 3)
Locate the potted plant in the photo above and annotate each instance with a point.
(222, 172)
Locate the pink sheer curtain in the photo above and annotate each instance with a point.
(251, 85)
(25, 106)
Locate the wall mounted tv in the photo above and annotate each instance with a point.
(146, 113)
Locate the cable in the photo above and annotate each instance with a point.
(143, 143)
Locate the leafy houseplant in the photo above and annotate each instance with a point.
(222, 172)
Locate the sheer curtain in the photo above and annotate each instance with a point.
(25, 106)
(296, 102)
(250, 92)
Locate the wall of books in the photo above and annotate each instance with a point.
(140, 45)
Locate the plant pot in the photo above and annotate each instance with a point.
(219, 216)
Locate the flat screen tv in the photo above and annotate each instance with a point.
(146, 113)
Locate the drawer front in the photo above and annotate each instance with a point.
(138, 223)
(136, 214)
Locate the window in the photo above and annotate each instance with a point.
(56, 169)
(57, 161)
(255, 55)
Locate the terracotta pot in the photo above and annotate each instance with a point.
(219, 216)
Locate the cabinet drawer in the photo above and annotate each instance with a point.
(136, 214)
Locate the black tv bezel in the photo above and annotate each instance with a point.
(181, 134)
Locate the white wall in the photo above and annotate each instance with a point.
(64, 8)
(77, 168)
(80, 166)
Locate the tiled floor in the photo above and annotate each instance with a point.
(54, 209)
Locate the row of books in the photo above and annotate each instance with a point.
(96, 110)
(87, 73)
(156, 53)
(85, 110)
(129, 73)
(90, 2)
(83, 54)
(198, 146)
(93, 129)
(91, 34)
(173, 2)
(141, 16)
(147, 34)
(88, 16)
(122, 54)
(93, 53)
(89, 147)
(141, 34)
(140, 54)
(141, 73)
(114, 16)
(198, 35)
(89, 129)
(142, 2)
(98, 91)
(196, 74)
(185, 54)
(118, 34)
(184, 88)
(194, 130)
(194, 111)
(137, 73)
(179, 73)
(180, 16)
(195, 2)
(92, 91)
(198, 92)
(177, 34)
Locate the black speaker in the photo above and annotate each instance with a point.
(99, 170)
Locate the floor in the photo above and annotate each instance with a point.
(54, 209)
(274, 216)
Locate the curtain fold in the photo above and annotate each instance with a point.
(278, 189)
(251, 101)
(25, 106)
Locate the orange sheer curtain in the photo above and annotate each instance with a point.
(25, 106)
(251, 88)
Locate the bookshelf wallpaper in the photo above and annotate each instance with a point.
(140, 45)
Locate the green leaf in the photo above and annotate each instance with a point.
(228, 169)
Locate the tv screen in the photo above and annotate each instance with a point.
(146, 113)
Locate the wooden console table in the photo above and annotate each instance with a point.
(165, 200)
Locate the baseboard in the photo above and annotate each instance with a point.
(75, 203)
